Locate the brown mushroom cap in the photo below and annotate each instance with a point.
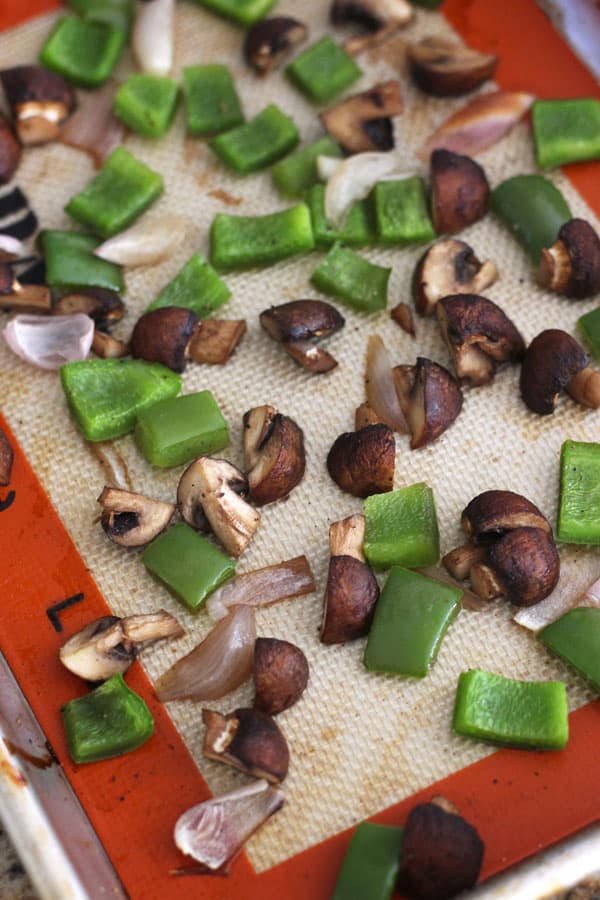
(444, 68)
(449, 267)
(379, 18)
(274, 454)
(362, 462)
(525, 564)
(493, 513)
(350, 597)
(131, 519)
(301, 320)
(40, 100)
(572, 265)
(10, 151)
(362, 122)
(459, 191)
(430, 397)
(269, 41)
(162, 335)
(552, 359)
(280, 675)
(249, 740)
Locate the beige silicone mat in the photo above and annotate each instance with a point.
(359, 741)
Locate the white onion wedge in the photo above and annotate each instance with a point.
(152, 37)
(327, 165)
(49, 342)
(218, 665)
(145, 243)
(93, 127)
(380, 386)
(262, 587)
(352, 180)
(573, 590)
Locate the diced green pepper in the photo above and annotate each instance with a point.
(105, 395)
(412, 616)
(109, 721)
(371, 864)
(211, 101)
(177, 430)
(118, 13)
(147, 103)
(188, 564)
(84, 52)
(575, 637)
(579, 503)
(197, 287)
(71, 264)
(589, 326)
(297, 172)
(240, 242)
(120, 192)
(401, 212)
(258, 143)
(323, 70)
(246, 12)
(533, 209)
(356, 231)
(345, 274)
(566, 131)
(529, 714)
(402, 528)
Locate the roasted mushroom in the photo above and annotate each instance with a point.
(554, 362)
(365, 415)
(362, 462)
(269, 41)
(131, 519)
(162, 335)
(103, 306)
(491, 514)
(449, 267)
(39, 100)
(571, 266)
(378, 18)
(14, 294)
(459, 191)
(479, 336)
(274, 454)
(6, 459)
(430, 397)
(402, 315)
(211, 495)
(363, 121)
(280, 675)
(214, 340)
(298, 325)
(349, 603)
(108, 347)
(10, 151)
(346, 537)
(446, 69)
(248, 740)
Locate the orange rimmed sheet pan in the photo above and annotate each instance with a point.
(134, 801)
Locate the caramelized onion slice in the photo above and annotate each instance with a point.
(573, 590)
(93, 128)
(262, 587)
(49, 342)
(218, 665)
(145, 243)
(381, 388)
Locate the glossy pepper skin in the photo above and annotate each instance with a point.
(82, 51)
(533, 209)
(371, 864)
(360, 283)
(211, 101)
(589, 327)
(356, 231)
(323, 70)
(176, 430)
(147, 103)
(257, 143)
(196, 286)
(117, 13)
(241, 242)
(402, 528)
(566, 131)
(298, 171)
(71, 264)
(245, 12)
(579, 502)
(401, 212)
(575, 637)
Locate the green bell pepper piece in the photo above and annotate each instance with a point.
(241, 242)
(297, 172)
(411, 618)
(196, 286)
(245, 12)
(575, 637)
(120, 192)
(533, 209)
(109, 721)
(178, 429)
(401, 528)
(211, 100)
(589, 327)
(82, 51)
(105, 395)
(71, 264)
(257, 143)
(579, 503)
(147, 103)
(117, 13)
(356, 231)
(401, 212)
(371, 864)
(188, 564)
(323, 70)
(345, 274)
(528, 714)
(566, 131)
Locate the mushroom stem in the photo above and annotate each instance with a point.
(460, 560)
(584, 387)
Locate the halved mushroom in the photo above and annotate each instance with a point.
(346, 537)
(402, 315)
(430, 397)
(10, 151)
(492, 513)
(379, 18)
(554, 362)
(362, 462)
(365, 415)
(39, 100)
(479, 336)
(274, 454)
(349, 603)
(162, 335)
(269, 41)
(571, 266)
(16, 295)
(110, 644)
(210, 497)
(459, 191)
(449, 267)
(447, 69)
(214, 340)
(131, 519)
(298, 324)
(6, 459)
(363, 121)
(108, 347)
(280, 675)
(103, 306)
(248, 740)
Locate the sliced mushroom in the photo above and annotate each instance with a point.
(493, 513)
(479, 336)
(248, 740)
(269, 41)
(6, 459)
(39, 100)
(365, 415)
(210, 497)
(214, 340)
(571, 266)
(554, 362)
(108, 347)
(163, 335)
(110, 644)
(274, 454)
(346, 537)
(522, 565)
(460, 561)
(298, 324)
(280, 675)
(402, 314)
(430, 397)
(449, 267)
(350, 597)
(16, 295)
(131, 519)
(10, 151)
(362, 462)
(103, 306)
(447, 69)
(459, 191)
(363, 121)
(379, 18)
